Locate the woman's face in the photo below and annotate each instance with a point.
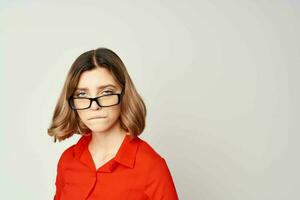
(92, 82)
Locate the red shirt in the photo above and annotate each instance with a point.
(137, 172)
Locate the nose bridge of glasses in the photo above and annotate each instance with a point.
(95, 99)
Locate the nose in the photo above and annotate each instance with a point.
(95, 106)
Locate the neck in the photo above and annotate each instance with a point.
(107, 142)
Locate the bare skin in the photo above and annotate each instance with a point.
(104, 148)
(107, 134)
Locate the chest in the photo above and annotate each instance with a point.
(100, 158)
(122, 183)
(99, 162)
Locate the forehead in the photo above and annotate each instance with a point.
(97, 78)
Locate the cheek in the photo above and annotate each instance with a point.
(82, 115)
(113, 112)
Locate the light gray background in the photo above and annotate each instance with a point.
(220, 80)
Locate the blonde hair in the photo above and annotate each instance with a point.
(66, 122)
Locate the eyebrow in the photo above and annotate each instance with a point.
(99, 87)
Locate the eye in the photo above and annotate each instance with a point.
(79, 93)
(108, 91)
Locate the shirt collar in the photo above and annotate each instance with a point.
(125, 155)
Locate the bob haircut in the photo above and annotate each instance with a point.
(66, 122)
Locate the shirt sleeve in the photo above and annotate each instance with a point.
(160, 185)
(59, 180)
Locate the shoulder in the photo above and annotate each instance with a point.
(148, 154)
(68, 152)
(159, 183)
(74, 150)
(65, 156)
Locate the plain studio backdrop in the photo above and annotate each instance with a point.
(220, 80)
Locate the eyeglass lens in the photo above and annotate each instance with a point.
(105, 101)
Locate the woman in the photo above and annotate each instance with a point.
(109, 161)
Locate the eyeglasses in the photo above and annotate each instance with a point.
(81, 103)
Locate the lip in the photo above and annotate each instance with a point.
(97, 117)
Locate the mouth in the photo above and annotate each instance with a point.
(97, 118)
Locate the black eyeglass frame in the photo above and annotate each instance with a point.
(120, 95)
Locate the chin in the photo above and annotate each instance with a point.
(99, 125)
